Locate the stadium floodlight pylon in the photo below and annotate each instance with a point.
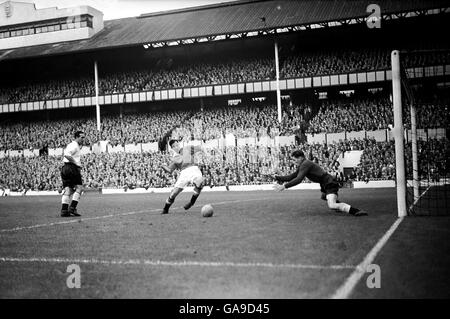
(97, 106)
(277, 79)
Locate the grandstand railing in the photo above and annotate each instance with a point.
(383, 135)
(223, 89)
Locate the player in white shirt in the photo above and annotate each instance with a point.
(71, 176)
(184, 160)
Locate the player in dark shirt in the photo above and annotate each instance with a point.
(328, 184)
(184, 160)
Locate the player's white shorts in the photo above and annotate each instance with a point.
(191, 174)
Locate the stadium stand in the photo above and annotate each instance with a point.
(239, 70)
(222, 63)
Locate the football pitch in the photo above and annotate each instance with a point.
(257, 245)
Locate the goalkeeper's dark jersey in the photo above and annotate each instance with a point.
(308, 169)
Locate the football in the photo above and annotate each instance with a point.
(207, 211)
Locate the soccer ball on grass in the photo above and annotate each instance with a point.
(207, 210)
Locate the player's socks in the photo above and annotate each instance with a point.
(75, 198)
(194, 198)
(191, 202)
(169, 203)
(197, 191)
(65, 211)
(73, 204)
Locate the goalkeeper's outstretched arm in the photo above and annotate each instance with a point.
(286, 178)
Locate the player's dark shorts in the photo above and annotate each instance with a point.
(330, 186)
(71, 175)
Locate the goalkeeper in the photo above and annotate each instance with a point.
(328, 184)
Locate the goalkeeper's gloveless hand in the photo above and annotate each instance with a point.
(277, 178)
(279, 188)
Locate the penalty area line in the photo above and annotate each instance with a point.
(77, 220)
(184, 263)
(346, 289)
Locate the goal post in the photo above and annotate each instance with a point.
(421, 136)
(398, 132)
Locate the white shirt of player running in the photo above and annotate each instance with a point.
(73, 149)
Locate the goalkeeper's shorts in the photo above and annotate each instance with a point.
(330, 185)
(330, 188)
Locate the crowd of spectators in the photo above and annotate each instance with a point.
(429, 114)
(236, 70)
(353, 114)
(238, 165)
(256, 120)
(241, 165)
(375, 112)
(377, 162)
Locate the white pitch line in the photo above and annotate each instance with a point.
(77, 220)
(346, 289)
(183, 263)
(417, 200)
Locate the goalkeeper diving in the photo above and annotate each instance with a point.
(329, 186)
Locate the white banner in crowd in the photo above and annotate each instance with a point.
(133, 148)
(15, 153)
(354, 135)
(85, 150)
(55, 151)
(265, 141)
(149, 147)
(212, 144)
(335, 137)
(96, 148)
(316, 138)
(285, 140)
(116, 149)
(230, 140)
(30, 153)
(379, 136)
(246, 141)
